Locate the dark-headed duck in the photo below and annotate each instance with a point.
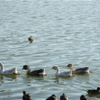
(39, 72)
(94, 91)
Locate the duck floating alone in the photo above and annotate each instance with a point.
(94, 91)
(63, 97)
(79, 70)
(30, 39)
(82, 97)
(52, 97)
(26, 96)
(39, 72)
(12, 71)
(65, 73)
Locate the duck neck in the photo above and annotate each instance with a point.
(2, 67)
(70, 72)
(28, 70)
(72, 68)
(58, 71)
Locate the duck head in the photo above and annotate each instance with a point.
(55, 67)
(98, 88)
(24, 92)
(25, 67)
(82, 97)
(69, 65)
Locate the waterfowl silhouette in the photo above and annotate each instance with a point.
(26, 96)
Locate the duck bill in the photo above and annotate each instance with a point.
(16, 73)
(52, 67)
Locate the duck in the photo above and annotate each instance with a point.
(94, 91)
(52, 97)
(12, 71)
(30, 39)
(79, 70)
(26, 96)
(65, 73)
(39, 72)
(82, 97)
(63, 97)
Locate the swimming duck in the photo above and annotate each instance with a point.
(52, 97)
(30, 39)
(12, 71)
(82, 97)
(94, 91)
(63, 97)
(65, 73)
(79, 70)
(39, 72)
(26, 96)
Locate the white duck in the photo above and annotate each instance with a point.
(65, 73)
(9, 71)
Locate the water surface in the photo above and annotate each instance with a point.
(64, 32)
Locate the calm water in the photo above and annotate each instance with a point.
(64, 32)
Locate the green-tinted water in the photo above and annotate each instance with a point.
(64, 32)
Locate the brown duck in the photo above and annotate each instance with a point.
(39, 72)
(63, 97)
(79, 70)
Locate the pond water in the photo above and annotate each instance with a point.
(64, 31)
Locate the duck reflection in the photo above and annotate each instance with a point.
(29, 78)
(8, 76)
(61, 80)
(94, 95)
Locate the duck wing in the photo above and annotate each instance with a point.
(66, 73)
(36, 72)
(10, 71)
(82, 70)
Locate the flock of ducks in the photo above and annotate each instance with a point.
(52, 97)
(41, 72)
